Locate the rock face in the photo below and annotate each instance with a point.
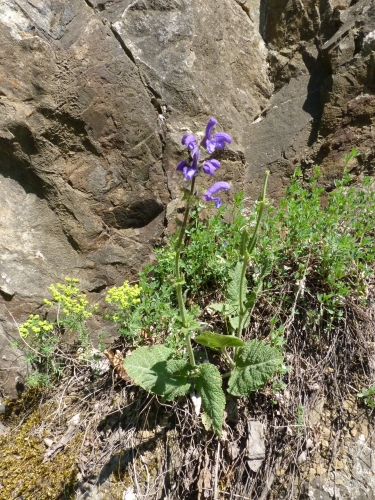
(95, 96)
(321, 59)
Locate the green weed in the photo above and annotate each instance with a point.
(41, 338)
(368, 396)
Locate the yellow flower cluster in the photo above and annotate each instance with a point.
(124, 295)
(35, 325)
(71, 301)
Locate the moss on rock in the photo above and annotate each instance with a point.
(23, 474)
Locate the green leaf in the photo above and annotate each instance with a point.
(153, 369)
(224, 308)
(233, 294)
(255, 364)
(234, 322)
(217, 340)
(206, 421)
(258, 287)
(217, 306)
(208, 383)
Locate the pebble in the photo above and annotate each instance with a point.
(339, 464)
(326, 432)
(4, 410)
(320, 470)
(309, 444)
(364, 429)
(3, 429)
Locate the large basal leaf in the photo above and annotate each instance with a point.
(255, 364)
(217, 340)
(209, 385)
(153, 369)
(233, 295)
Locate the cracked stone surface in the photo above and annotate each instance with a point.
(358, 485)
(95, 97)
(96, 94)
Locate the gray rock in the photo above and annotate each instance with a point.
(92, 119)
(3, 429)
(94, 100)
(359, 484)
(3, 409)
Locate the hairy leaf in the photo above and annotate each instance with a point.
(208, 383)
(224, 308)
(153, 369)
(255, 364)
(234, 322)
(217, 341)
(233, 294)
(217, 306)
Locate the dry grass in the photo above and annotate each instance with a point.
(126, 438)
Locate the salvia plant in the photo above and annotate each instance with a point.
(247, 365)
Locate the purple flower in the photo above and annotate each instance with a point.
(189, 170)
(210, 166)
(218, 186)
(190, 142)
(217, 141)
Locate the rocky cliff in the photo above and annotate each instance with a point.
(96, 94)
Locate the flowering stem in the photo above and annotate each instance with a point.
(179, 280)
(247, 253)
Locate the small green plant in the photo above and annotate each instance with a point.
(321, 253)
(125, 298)
(40, 340)
(38, 379)
(250, 363)
(303, 261)
(41, 337)
(73, 308)
(353, 153)
(368, 396)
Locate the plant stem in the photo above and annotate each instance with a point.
(261, 205)
(227, 357)
(178, 277)
(246, 256)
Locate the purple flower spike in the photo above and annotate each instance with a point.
(218, 186)
(217, 141)
(186, 169)
(210, 166)
(190, 142)
(189, 170)
(210, 125)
